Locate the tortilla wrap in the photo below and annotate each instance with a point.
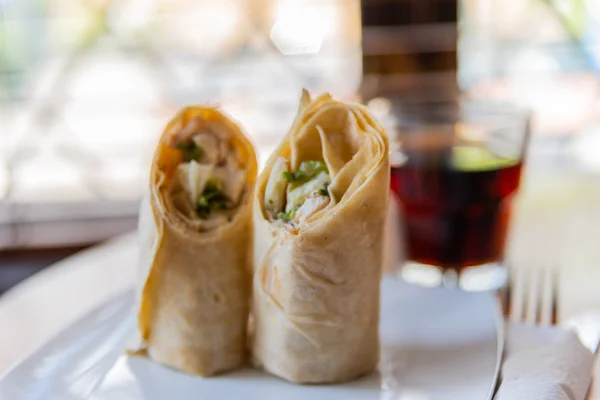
(316, 284)
(195, 274)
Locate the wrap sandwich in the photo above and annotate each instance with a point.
(196, 247)
(319, 214)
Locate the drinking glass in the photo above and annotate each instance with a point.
(455, 170)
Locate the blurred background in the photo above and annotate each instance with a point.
(87, 85)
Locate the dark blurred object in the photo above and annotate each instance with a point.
(18, 264)
(409, 48)
(49, 225)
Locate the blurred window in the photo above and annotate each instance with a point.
(86, 87)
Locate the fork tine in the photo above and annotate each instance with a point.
(555, 274)
(533, 294)
(556, 299)
(547, 300)
(507, 294)
(517, 296)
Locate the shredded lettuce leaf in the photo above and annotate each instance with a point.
(211, 199)
(191, 151)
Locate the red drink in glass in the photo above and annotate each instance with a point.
(455, 171)
(455, 218)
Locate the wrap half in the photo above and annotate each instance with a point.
(319, 215)
(196, 238)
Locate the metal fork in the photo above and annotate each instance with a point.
(531, 297)
(528, 299)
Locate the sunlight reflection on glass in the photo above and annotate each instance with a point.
(429, 276)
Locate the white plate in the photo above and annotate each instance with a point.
(436, 344)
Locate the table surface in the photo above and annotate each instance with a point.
(556, 224)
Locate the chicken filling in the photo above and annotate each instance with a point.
(293, 197)
(210, 181)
